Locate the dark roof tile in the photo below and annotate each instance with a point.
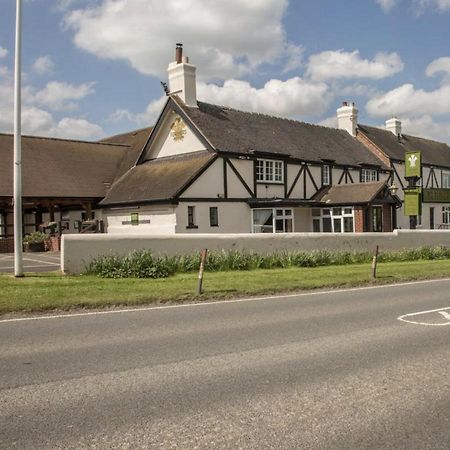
(159, 179)
(433, 152)
(230, 130)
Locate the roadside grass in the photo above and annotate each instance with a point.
(44, 292)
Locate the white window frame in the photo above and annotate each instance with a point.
(445, 180)
(369, 175)
(277, 214)
(334, 215)
(326, 175)
(446, 215)
(269, 171)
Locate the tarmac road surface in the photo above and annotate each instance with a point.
(350, 369)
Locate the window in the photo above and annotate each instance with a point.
(273, 221)
(446, 180)
(333, 220)
(191, 217)
(326, 179)
(446, 215)
(269, 171)
(369, 175)
(84, 216)
(213, 216)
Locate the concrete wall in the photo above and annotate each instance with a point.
(78, 250)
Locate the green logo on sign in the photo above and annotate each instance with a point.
(413, 164)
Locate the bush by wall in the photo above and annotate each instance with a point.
(142, 264)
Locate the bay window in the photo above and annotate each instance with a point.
(268, 220)
(333, 220)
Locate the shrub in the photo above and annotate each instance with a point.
(37, 237)
(142, 264)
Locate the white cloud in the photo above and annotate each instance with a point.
(37, 121)
(224, 39)
(59, 95)
(330, 122)
(292, 98)
(426, 126)
(387, 5)
(3, 52)
(440, 65)
(43, 65)
(145, 118)
(423, 5)
(406, 99)
(341, 64)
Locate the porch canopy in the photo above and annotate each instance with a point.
(357, 194)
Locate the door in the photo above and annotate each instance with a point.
(377, 219)
(431, 218)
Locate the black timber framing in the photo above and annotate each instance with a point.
(300, 171)
(196, 176)
(239, 176)
(311, 178)
(225, 178)
(398, 177)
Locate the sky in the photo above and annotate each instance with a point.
(92, 68)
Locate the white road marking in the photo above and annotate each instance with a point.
(223, 302)
(430, 311)
(28, 266)
(39, 261)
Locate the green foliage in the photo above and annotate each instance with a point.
(37, 237)
(143, 264)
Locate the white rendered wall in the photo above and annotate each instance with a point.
(79, 250)
(234, 217)
(165, 145)
(162, 221)
(208, 184)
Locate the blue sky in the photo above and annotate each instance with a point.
(92, 68)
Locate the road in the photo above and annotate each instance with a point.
(331, 370)
(32, 262)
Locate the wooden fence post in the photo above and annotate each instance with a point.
(203, 255)
(374, 263)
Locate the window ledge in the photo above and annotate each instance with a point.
(191, 227)
(271, 182)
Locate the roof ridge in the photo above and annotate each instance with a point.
(287, 119)
(404, 134)
(125, 133)
(50, 138)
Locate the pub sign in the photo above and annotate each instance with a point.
(413, 164)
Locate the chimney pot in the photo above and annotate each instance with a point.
(179, 53)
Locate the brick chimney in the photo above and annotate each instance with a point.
(182, 80)
(347, 116)
(394, 125)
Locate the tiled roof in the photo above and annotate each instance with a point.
(350, 194)
(159, 179)
(433, 152)
(60, 168)
(136, 141)
(230, 130)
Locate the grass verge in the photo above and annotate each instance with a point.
(44, 292)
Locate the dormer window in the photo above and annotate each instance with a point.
(269, 171)
(369, 175)
(326, 175)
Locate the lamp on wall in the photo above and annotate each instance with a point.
(393, 189)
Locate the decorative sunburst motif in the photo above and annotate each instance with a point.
(178, 129)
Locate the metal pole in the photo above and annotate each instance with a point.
(18, 250)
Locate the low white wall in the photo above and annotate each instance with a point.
(78, 250)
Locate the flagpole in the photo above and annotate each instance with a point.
(18, 249)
